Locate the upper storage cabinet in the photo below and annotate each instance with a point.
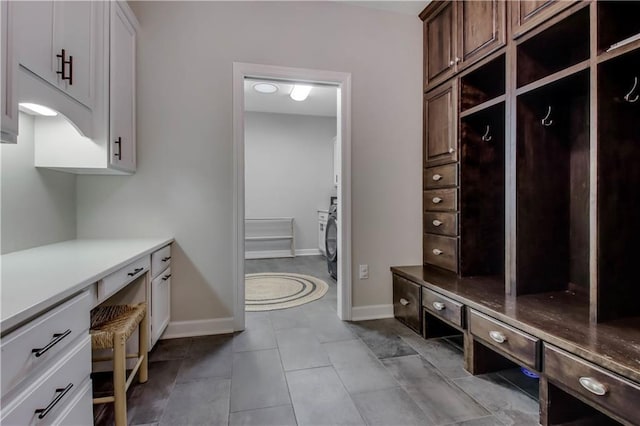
(527, 14)
(440, 117)
(457, 34)
(122, 91)
(9, 113)
(57, 41)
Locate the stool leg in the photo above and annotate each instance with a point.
(120, 379)
(143, 348)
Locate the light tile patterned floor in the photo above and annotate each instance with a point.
(304, 366)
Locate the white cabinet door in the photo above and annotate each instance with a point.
(33, 28)
(122, 91)
(8, 77)
(336, 162)
(75, 31)
(160, 304)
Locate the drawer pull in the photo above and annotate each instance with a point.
(436, 200)
(404, 302)
(436, 177)
(166, 277)
(498, 336)
(164, 259)
(57, 337)
(135, 272)
(437, 252)
(436, 222)
(439, 306)
(452, 150)
(593, 386)
(42, 412)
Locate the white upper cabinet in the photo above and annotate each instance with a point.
(122, 91)
(57, 41)
(9, 104)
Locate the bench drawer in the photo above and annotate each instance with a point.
(111, 284)
(519, 345)
(406, 303)
(607, 390)
(160, 260)
(30, 347)
(443, 307)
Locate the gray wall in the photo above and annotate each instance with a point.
(289, 169)
(184, 182)
(38, 205)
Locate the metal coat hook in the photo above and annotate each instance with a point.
(627, 97)
(486, 137)
(545, 121)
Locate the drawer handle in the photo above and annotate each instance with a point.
(437, 252)
(57, 337)
(164, 259)
(452, 150)
(166, 277)
(436, 200)
(593, 386)
(436, 222)
(404, 302)
(42, 412)
(436, 177)
(498, 336)
(439, 306)
(135, 272)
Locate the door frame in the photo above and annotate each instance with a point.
(342, 80)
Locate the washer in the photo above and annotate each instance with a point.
(331, 241)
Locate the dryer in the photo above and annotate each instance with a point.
(331, 241)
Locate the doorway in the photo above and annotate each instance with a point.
(341, 81)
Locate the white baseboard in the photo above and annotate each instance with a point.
(363, 313)
(207, 327)
(270, 254)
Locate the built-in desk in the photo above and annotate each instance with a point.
(46, 296)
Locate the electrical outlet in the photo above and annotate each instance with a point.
(364, 272)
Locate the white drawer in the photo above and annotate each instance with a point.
(160, 259)
(160, 304)
(80, 410)
(117, 280)
(42, 402)
(51, 333)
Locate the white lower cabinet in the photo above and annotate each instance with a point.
(160, 292)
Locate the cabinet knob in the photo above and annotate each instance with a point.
(439, 306)
(436, 200)
(451, 63)
(593, 386)
(451, 150)
(404, 302)
(437, 252)
(436, 222)
(498, 336)
(458, 60)
(436, 177)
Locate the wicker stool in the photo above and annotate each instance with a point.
(111, 326)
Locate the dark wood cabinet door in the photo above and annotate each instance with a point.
(440, 124)
(439, 45)
(481, 28)
(526, 14)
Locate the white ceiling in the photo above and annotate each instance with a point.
(399, 6)
(321, 101)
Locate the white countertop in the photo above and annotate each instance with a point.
(35, 279)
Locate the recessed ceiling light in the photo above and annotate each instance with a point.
(35, 109)
(265, 88)
(300, 92)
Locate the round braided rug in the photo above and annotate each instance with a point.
(271, 291)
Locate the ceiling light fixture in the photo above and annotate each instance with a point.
(267, 88)
(300, 92)
(35, 109)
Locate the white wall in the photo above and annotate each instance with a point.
(38, 205)
(184, 182)
(289, 169)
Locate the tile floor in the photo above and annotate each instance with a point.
(303, 366)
